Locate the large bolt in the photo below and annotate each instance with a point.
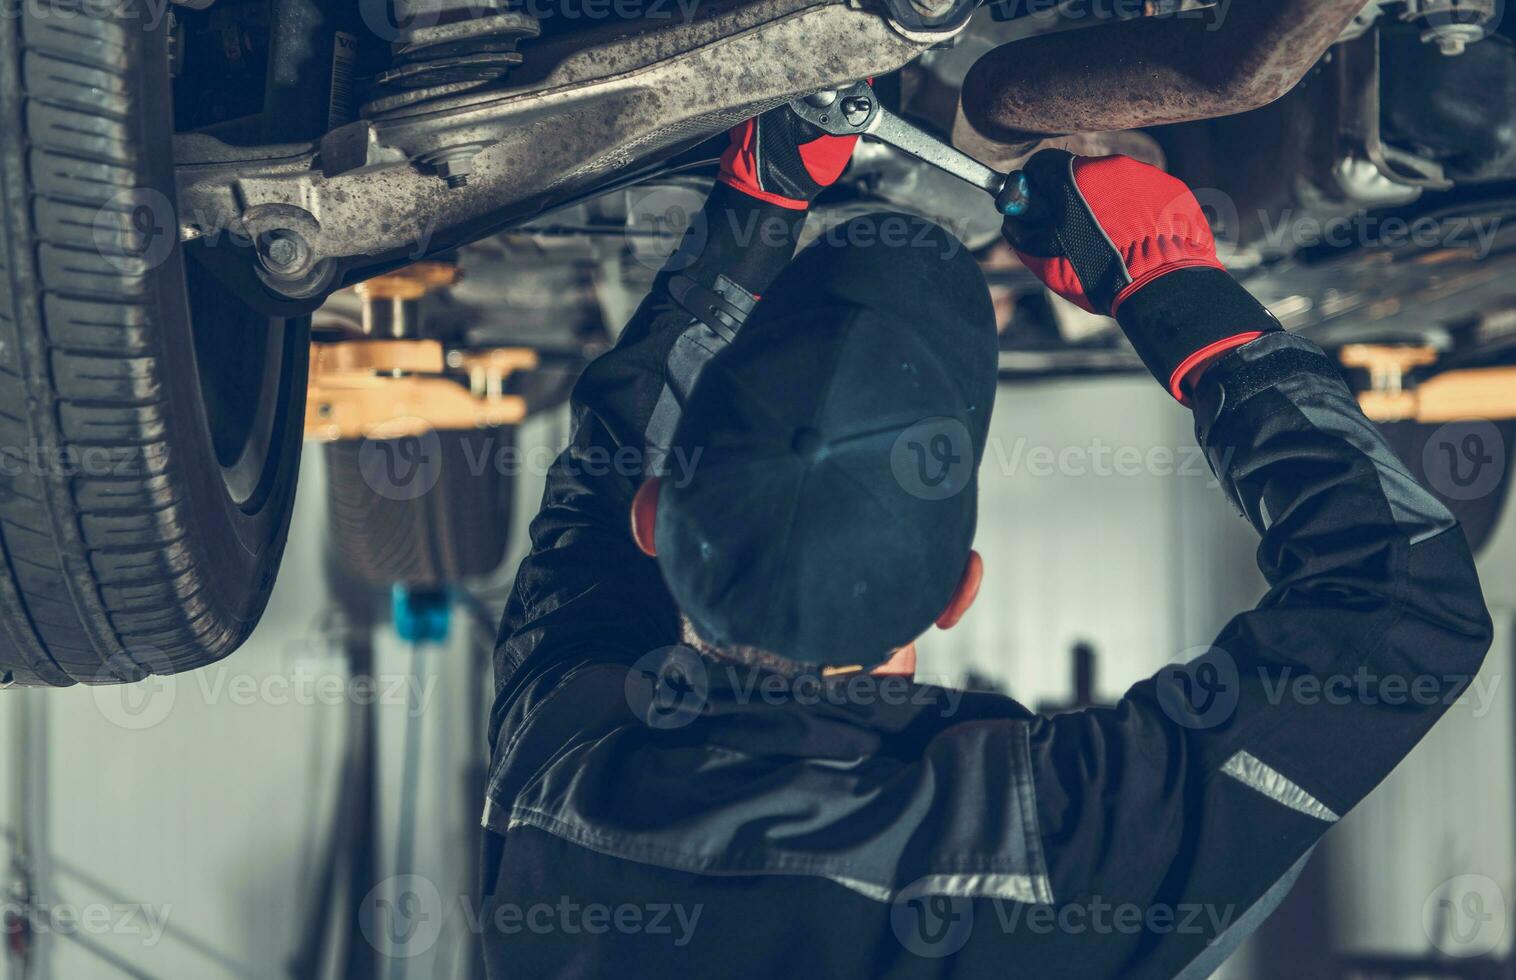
(1451, 44)
(455, 166)
(856, 109)
(1452, 39)
(283, 251)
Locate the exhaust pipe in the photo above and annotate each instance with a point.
(1148, 72)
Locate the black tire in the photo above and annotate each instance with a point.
(442, 517)
(151, 464)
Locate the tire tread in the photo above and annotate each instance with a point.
(95, 561)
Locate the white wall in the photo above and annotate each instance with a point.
(1099, 521)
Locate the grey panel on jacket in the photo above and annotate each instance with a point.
(884, 828)
(1331, 409)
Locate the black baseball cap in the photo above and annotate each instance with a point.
(827, 504)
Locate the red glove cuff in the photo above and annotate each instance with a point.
(739, 168)
(1187, 375)
(743, 165)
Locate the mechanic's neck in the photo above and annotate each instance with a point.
(901, 664)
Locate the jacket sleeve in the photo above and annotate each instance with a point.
(585, 592)
(1208, 783)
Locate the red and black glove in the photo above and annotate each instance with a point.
(779, 158)
(1119, 237)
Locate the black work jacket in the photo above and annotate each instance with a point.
(651, 814)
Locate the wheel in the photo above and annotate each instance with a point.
(150, 424)
(421, 511)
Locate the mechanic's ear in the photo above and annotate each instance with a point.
(965, 594)
(645, 514)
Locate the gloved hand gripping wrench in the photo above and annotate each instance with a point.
(855, 111)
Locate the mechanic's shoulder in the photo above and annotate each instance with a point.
(557, 709)
(958, 703)
(587, 696)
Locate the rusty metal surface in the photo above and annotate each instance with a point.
(1009, 156)
(1151, 71)
(595, 114)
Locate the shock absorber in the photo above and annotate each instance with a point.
(441, 49)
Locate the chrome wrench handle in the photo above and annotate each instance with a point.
(855, 111)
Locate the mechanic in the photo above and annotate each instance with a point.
(707, 741)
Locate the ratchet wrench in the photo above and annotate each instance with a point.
(855, 111)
